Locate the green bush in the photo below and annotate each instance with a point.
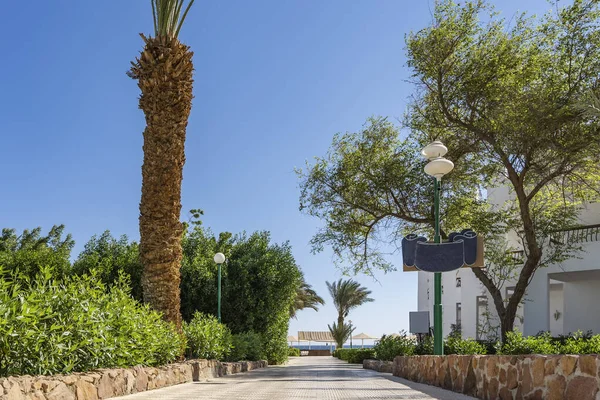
(581, 344)
(357, 356)
(293, 352)
(543, 343)
(425, 346)
(455, 344)
(50, 326)
(516, 343)
(207, 338)
(247, 346)
(354, 356)
(390, 347)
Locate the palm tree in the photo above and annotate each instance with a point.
(306, 297)
(164, 74)
(340, 333)
(347, 295)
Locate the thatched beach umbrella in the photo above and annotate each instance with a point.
(362, 337)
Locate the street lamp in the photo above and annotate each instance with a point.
(219, 259)
(437, 167)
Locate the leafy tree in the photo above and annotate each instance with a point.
(111, 257)
(259, 283)
(340, 333)
(306, 297)
(26, 254)
(347, 295)
(164, 73)
(504, 99)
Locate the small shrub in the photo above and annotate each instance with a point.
(293, 352)
(342, 354)
(74, 325)
(516, 343)
(207, 338)
(357, 356)
(580, 343)
(246, 346)
(390, 347)
(425, 346)
(354, 356)
(457, 345)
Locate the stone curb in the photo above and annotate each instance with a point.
(379, 366)
(552, 377)
(107, 383)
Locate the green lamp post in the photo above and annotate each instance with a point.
(437, 167)
(219, 259)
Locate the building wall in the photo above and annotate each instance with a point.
(556, 304)
(582, 299)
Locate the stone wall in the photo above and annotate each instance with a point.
(107, 383)
(379, 366)
(507, 377)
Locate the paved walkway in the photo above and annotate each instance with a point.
(323, 378)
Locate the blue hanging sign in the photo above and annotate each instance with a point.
(463, 249)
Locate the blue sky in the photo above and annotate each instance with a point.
(274, 81)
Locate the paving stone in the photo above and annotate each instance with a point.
(303, 378)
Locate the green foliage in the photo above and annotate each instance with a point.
(28, 253)
(354, 356)
(293, 352)
(168, 18)
(347, 295)
(425, 346)
(247, 346)
(306, 297)
(455, 344)
(50, 326)
(207, 338)
(340, 333)
(109, 258)
(581, 344)
(259, 284)
(516, 343)
(543, 343)
(389, 347)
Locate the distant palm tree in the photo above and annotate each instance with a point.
(340, 333)
(347, 295)
(306, 297)
(164, 74)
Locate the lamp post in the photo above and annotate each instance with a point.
(219, 259)
(437, 167)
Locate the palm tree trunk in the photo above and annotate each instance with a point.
(164, 73)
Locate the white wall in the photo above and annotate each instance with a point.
(582, 306)
(556, 304)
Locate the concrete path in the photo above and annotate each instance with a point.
(323, 378)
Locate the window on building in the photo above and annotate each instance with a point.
(482, 315)
(458, 315)
(458, 282)
(427, 293)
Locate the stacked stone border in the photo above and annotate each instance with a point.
(552, 377)
(379, 366)
(107, 383)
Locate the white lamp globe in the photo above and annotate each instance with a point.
(434, 150)
(219, 258)
(438, 167)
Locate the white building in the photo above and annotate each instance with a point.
(560, 298)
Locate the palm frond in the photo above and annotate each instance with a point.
(340, 333)
(167, 17)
